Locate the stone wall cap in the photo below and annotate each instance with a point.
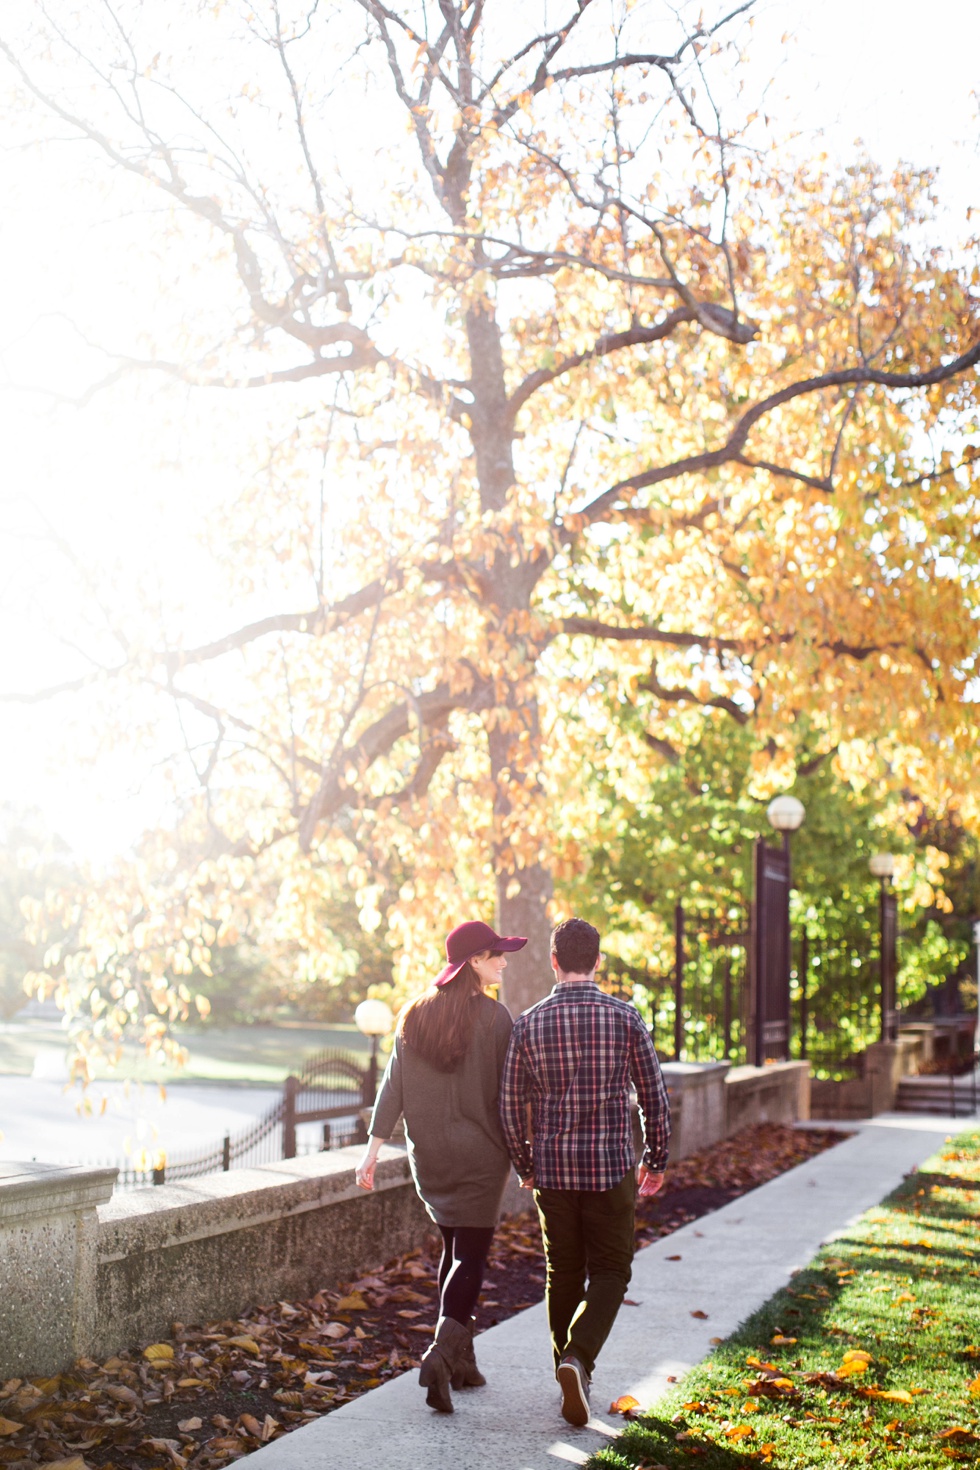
(693, 1071)
(28, 1189)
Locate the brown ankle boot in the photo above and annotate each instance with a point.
(441, 1361)
(467, 1374)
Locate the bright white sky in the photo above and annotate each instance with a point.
(896, 74)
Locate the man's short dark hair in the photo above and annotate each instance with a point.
(575, 945)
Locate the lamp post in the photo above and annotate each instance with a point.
(770, 935)
(785, 814)
(373, 1018)
(882, 865)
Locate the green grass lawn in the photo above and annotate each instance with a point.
(870, 1356)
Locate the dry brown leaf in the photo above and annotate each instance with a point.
(780, 1341)
(158, 1352)
(192, 1383)
(335, 1330)
(702, 1315)
(250, 1424)
(122, 1394)
(248, 1344)
(9, 1426)
(74, 1463)
(353, 1302)
(186, 1425)
(269, 1427)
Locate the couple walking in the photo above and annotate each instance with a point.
(548, 1093)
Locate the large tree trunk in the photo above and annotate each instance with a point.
(528, 976)
(523, 893)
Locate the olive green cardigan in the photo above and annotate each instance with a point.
(455, 1146)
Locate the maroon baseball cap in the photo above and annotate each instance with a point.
(469, 939)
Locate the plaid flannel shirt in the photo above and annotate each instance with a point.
(572, 1057)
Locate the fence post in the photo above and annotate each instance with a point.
(226, 1153)
(326, 1138)
(678, 981)
(160, 1175)
(293, 1085)
(728, 1004)
(804, 999)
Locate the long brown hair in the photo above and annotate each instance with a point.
(438, 1026)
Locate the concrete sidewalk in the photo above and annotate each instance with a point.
(730, 1263)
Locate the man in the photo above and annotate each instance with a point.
(570, 1061)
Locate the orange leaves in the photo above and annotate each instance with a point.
(625, 1405)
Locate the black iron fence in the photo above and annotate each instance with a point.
(698, 1007)
(330, 1091)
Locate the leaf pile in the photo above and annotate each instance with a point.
(215, 1392)
(870, 1356)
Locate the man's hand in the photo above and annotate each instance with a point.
(650, 1181)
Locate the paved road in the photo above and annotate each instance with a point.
(39, 1120)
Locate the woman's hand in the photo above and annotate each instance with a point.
(364, 1172)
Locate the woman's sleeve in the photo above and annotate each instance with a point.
(388, 1107)
(502, 1027)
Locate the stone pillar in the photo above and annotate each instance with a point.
(48, 1258)
(882, 1071)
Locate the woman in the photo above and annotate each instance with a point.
(444, 1076)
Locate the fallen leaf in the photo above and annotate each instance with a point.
(122, 1394)
(715, 1341)
(248, 1344)
(848, 1370)
(780, 1341)
(8, 1426)
(353, 1302)
(856, 1355)
(740, 1431)
(75, 1463)
(158, 1352)
(250, 1424)
(186, 1425)
(269, 1427)
(958, 1434)
(624, 1404)
(408, 1314)
(893, 1395)
(702, 1315)
(191, 1383)
(672, 1258)
(336, 1329)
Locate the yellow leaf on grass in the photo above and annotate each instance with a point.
(247, 1344)
(893, 1395)
(9, 1426)
(758, 1363)
(857, 1355)
(780, 1341)
(750, 1407)
(624, 1404)
(740, 1431)
(958, 1434)
(354, 1302)
(158, 1352)
(973, 1387)
(848, 1370)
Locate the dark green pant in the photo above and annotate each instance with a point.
(588, 1238)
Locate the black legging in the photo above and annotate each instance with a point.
(464, 1257)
